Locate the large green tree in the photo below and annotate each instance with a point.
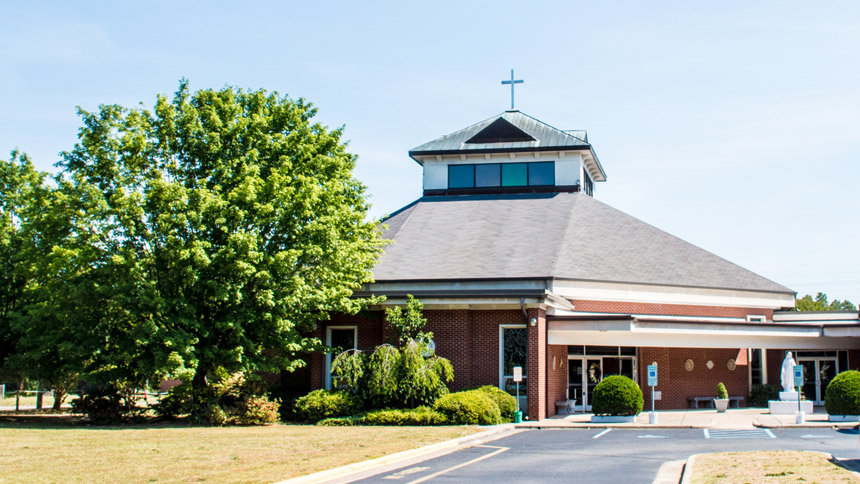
(232, 224)
(820, 303)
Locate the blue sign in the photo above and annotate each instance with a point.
(798, 376)
(652, 375)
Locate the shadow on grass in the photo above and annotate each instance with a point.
(32, 419)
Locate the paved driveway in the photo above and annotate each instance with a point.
(611, 456)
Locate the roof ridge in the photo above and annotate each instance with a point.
(567, 226)
(399, 211)
(553, 127)
(691, 244)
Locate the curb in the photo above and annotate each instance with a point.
(670, 472)
(343, 472)
(688, 469)
(812, 425)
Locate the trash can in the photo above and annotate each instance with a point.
(518, 416)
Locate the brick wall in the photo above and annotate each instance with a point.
(676, 383)
(537, 366)
(672, 309)
(469, 338)
(556, 376)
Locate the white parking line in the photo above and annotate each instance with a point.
(464, 464)
(651, 437)
(811, 436)
(707, 434)
(770, 433)
(601, 434)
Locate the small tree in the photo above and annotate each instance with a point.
(407, 375)
(407, 324)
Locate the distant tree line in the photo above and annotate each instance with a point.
(201, 238)
(820, 303)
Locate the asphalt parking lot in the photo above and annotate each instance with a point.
(602, 455)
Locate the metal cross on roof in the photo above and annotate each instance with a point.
(512, 82)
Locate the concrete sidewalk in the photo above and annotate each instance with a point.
(741, 418)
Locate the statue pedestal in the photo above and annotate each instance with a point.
(789, 396)
(788, 407)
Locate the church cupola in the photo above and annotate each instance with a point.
(509, 153)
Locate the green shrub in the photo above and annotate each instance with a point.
(761, 394)
(506, 402)
(722, 393)
(842, 396)
(257, 410)
(177, 402)
(339, 422)
(469, 407)
(322, 404)
(617, 395)
(107, 404)
(413, 416)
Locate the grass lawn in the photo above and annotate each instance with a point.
(768, 467)
(51, 450)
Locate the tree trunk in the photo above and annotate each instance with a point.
(198, 391)
(59, 396)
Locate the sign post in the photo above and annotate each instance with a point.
(652, 382)
(518, 377)
(798, 382)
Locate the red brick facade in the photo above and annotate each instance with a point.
(470, 339)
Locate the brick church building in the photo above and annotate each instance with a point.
(518, 264)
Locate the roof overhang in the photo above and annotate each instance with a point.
(477, 294)
(626, 330)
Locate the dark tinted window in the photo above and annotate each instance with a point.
(514, 175)
(489, 175)
(343, 339)
(541, 173)
(461, 176)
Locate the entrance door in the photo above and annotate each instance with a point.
(574, 381)
(817, 373)
(584, 373)
(593, 375)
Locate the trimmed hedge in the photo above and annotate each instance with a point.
(472, 407)
(322, 404)
(761, 394)
(842, 396)
(722, 393)
(506, 402)
(413, 416)
(339, 422)
(617, 395)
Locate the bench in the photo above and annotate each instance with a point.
(734, 402)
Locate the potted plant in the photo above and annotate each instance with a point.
(722, 400)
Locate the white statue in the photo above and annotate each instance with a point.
(787, 373)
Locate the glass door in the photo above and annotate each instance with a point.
(826, 372)
(593, 375)
(817, 374)
(575, 381)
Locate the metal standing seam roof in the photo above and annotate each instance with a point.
(554, 235)
(546, 137)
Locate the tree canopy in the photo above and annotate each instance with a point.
(204, 237)
(820, 303)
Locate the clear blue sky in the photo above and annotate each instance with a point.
(733, 125)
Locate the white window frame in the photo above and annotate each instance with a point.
(756, 318)
(328, 356)
(502, 328)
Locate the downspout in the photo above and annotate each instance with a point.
(523, 307)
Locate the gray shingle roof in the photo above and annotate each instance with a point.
(545, 137)
(564, 235)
